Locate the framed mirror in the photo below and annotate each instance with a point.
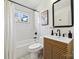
(63, 13)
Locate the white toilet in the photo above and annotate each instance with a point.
(35, 49)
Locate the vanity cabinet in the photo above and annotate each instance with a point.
(57, 50)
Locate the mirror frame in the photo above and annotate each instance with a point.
(72, 15)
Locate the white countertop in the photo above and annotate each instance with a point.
(61, 39)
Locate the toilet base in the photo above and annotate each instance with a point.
(34, 55)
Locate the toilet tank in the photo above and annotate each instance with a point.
(41, 40)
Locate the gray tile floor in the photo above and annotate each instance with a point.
(27, 57)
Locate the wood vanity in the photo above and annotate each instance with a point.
(54, 49)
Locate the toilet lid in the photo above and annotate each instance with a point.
(35, 46)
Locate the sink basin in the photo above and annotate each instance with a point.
(61, 39)
(35, 46)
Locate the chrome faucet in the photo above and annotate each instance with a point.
(59, 32)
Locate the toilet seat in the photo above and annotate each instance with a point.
(35, 46)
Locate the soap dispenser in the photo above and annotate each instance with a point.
(69, 34)
(52, 32)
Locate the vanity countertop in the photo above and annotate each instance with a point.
(61, 39)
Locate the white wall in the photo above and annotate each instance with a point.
(46, 30)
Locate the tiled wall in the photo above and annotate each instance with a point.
(46, 30)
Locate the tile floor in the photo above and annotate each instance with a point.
(28, 57)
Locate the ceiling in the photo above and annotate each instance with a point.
(29, 3)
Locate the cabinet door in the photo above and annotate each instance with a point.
(47, 50)
(56, 50)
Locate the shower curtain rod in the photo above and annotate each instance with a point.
(23, 5)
